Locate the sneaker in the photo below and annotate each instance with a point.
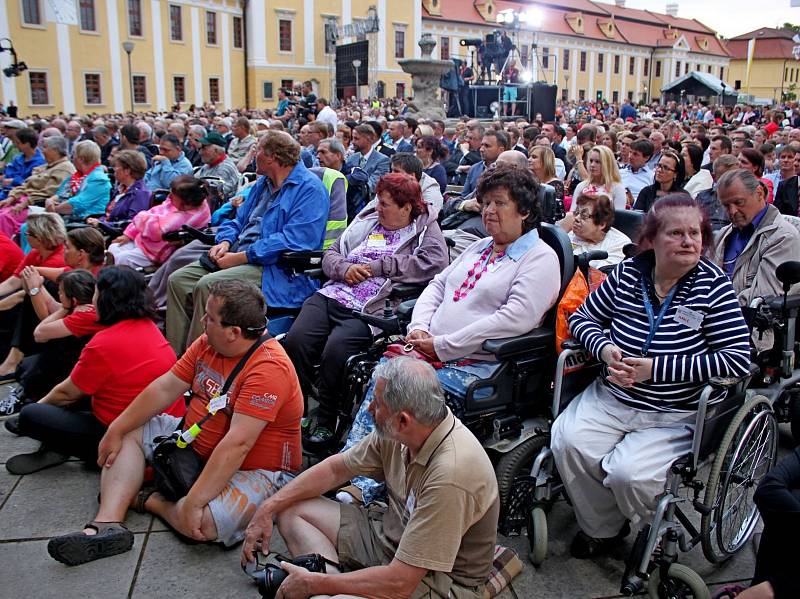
(322, 435)
(13, 403)
(28, 463)
(12, 424)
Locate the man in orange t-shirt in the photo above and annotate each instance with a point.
(250, 448)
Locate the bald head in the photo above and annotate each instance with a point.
(514, 158)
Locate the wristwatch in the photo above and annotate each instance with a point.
(33, 291)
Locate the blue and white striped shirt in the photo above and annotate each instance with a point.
(683, 359)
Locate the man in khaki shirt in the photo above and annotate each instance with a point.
(436, 537)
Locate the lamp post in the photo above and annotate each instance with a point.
(128, 47)
(356, 66)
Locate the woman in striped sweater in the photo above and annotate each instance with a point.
(673, 322)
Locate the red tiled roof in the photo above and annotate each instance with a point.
(632, 26)
(765, 48)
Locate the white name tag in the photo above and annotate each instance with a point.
(411, 502)
(688, 317)
(218, 403)
(376, 241)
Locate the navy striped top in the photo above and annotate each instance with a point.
(683, 359)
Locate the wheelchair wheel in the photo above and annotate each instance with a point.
(747, 452)
(537, 535)
(517, 462)
(682, 583)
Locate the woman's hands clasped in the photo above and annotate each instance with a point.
(625, 371)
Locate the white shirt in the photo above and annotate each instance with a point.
(637, 181)
(328, 115)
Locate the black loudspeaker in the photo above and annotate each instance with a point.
(543, 101)
(482, 98)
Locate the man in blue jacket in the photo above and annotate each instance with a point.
(287, 209)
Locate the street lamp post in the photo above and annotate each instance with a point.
(128, 47)
(356, 66)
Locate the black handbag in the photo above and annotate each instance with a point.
(176, 465)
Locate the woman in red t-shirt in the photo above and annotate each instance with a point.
(66, 327)
(46, 234)
(114, 367)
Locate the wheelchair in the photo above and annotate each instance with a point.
(735, 439)
(504, 411)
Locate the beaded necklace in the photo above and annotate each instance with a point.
(474, 275)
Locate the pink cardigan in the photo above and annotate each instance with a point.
(148, 226)
(510, 299)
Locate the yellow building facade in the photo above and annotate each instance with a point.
(229, 52)
(774, 69)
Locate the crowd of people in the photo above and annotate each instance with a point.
(120, 329)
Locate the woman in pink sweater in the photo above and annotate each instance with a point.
(143, 243)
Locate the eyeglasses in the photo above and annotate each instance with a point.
(664, 167)
(584, 213)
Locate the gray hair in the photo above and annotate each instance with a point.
(514, 158)
(198, 130)
(412, 386)
(102, 130)
(87, 151)
(725, 163)
(748, 179)
(57, 143)
(334, 145)
(146, 129)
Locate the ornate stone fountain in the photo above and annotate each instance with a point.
(425, 75)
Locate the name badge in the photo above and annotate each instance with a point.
(376, 240)
(217, 403)
(688, 317)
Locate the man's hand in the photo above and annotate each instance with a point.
(159, 158)
(190, 519)
(357, 273)
(230, 260)
(417, 334)
(92, 222)
(12, 300)
(122, 239)
(257, 535)
(218, 251)
(109, 447)
(19, 206)
(298, 585)
(6, 202)
(50, 204)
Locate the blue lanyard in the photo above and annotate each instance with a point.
(653, 321)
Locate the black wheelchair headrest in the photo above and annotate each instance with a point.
(788, 274)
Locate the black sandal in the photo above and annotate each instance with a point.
(77, 548)
(141, 498)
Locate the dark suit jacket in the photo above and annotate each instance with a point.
(786, 196)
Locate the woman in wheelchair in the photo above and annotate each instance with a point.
(674, 323)
(500, 286)
(130, 196)
(142, 244)
(592, 230)
(396, 240)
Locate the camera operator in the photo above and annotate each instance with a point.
(435, 538)
(307, 104)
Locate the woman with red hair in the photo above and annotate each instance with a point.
(393, 240)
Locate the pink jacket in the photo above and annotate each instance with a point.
(148, 226)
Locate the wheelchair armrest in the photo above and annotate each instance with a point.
(206, 236)
(405, 309)
(571, 344)
(728, 382)
(302, 261)
(110, 230)
(504, 348)
(582, 260)
(406, 291)
(315, 273)
(176, 236)
(776, 303)
(389, 325)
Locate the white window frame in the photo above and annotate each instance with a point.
(146, 90)
(96, 30)
(185, 87)
(282, 14)
(218, 79)
(42, 24)
(217, 32)
(128, 20)
(182, 39)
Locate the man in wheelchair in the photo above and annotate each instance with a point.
(674, 323)
(436, 536)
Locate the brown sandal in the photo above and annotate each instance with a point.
(137, 505)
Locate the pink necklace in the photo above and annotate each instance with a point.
(474, 275)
